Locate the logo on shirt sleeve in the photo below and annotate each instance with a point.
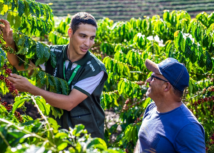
(89, 63)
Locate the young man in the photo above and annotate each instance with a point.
(168, 126)
(84, 73)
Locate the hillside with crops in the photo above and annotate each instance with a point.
(123, 10)
(123, 46)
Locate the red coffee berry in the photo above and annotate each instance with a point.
(9, 108)
(5, 66)
(126, 150)
(1, 77)
(20, 120)
(4, 103)
(8, 71)
(17, 114)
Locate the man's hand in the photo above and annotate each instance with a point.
(20, 83)
(7, 32)
(66, 102)
(8, 37)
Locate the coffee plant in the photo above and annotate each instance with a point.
(123, 47)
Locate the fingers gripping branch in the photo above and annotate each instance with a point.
(7, 32)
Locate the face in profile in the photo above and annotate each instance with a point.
(155, 86)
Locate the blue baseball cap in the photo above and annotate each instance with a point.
(175, 72)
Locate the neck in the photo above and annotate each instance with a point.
(72, 55)
(164, 106)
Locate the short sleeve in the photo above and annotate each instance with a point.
(88, 85)
(191, 139)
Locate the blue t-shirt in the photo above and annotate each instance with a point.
(171, 132)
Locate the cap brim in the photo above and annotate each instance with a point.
(152, 66)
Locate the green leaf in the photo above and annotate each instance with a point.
(203, 17)
(21, 7)
(55, 126)
(37, 9)
(26, 9)
(32, 8)
(64, 87)
(2, 109)
(14, 4)
(166, 15)
(42, 8)
(2, 57)
(209, 64)
(188, 44)
(4, 9)
(17, 22)
(178, 37)
(115, 96)
(97, 143)
(57, 85)
(43, 106)
(53, 59)
(78, 130)
(10, 18)
(40, 61)
(46, 52)
(61, 135)
(201, 61)
(23, 51)
(40, 79)
(62, 146)
(19, 102)
(56, 112)
(40, 49)
(21, 41)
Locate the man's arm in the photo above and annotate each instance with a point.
(66, 102)
(191, 139)
(8, 37)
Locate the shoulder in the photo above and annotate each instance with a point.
(191, 138)
(186, 115)
(94, 66)
(96, 62)
(56, 48)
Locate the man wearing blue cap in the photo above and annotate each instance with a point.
(168, 126)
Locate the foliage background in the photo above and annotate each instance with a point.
(123, 47)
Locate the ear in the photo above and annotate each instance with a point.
(167, 86)
(70, 32)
